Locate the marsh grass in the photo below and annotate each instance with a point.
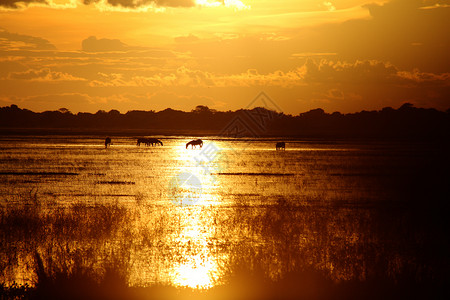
(338, 252)
(55, 241)
(370, 227)
(279, 249)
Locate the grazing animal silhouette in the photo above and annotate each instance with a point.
(149, 141)
(195, 143)
(141, 141)
(280, 145)
(107, 142)
(155, 142)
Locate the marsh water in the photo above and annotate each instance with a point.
(195, 217)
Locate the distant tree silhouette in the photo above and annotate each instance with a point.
(406, 121)
(64, 110)
(203, 109)
(114, 112)
(314, 113)
(406, 106)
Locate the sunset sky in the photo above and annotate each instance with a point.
(340, 55)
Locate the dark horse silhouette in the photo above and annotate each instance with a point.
(141, 140)
(149, 141)
(155, 142)
(195, 143)
(107, 142)
(280, 145)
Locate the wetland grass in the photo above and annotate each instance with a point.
(279, 250)
(347, 225)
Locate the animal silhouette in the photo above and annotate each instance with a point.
(195, 143)
(280, 145)
(155, 142)
(141, 141)
(107, 142)
(149, 141)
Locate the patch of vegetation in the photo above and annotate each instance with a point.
(279, 249)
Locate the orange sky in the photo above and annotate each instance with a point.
(340, 55)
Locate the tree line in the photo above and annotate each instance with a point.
(406, 121)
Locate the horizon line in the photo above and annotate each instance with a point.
(213, 110)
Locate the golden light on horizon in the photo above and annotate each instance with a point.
(341, 55)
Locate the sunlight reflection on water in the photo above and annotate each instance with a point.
(194, 185)
(187, 217)
(197, 268)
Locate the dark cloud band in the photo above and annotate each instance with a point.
(17, 4)
(27, 42)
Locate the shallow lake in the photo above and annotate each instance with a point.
(194, 217)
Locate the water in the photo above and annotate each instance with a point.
(72, 169)
(191, 217)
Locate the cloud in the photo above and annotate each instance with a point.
(329, 6)
(335, 94)
(8, 65)
(425, 78)
(368, 72)
(76, 101)
(186, 39)
(124, 5)
(112, 80)
(142, 3)
(15, 41)
(165, 98)
(364, 73)
(92, 44)
(23, 4)
(236, 4)
(333, 85)
(310, 54)
(400, 31)
(100, 56)
(17, 4)
(44, 74)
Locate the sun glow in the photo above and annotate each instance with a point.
(236, 4)
(196, 273)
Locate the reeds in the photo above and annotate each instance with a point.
(279, 248)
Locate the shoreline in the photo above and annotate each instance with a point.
(275, 135)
